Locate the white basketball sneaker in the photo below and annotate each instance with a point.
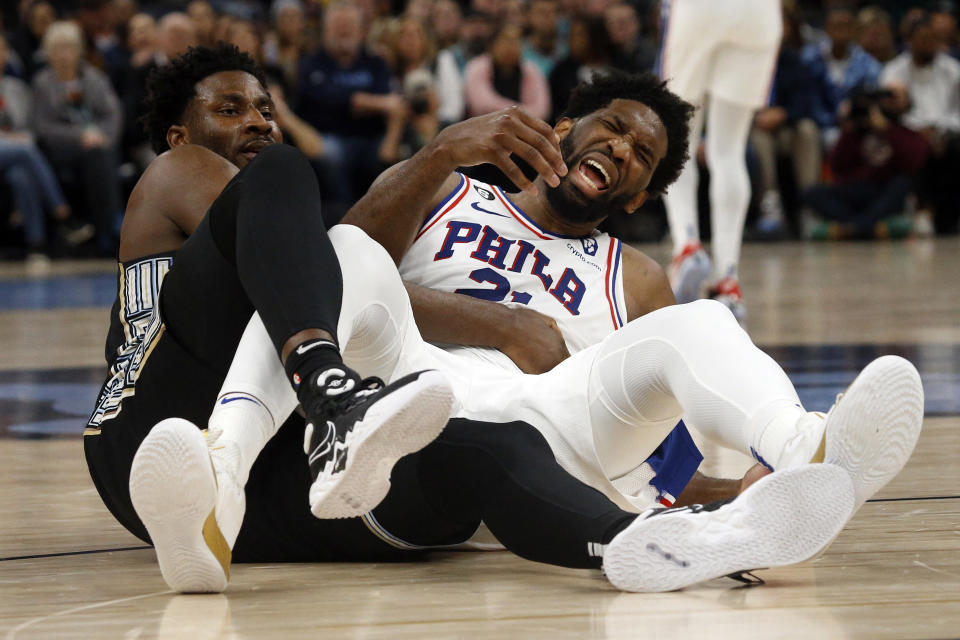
(874, 425)
(783, 518)
(687, 272)
(174, 489)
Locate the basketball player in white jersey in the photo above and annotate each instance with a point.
(605, 408)
(720, 57)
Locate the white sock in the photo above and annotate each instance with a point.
(254, 400)
(790, 439)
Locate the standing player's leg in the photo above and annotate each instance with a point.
(687, 57)
(727, 133)
(690, 266)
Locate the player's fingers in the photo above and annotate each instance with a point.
(542, 136)
(534, 158)
(509, 167)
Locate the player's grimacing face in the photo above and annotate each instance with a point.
(232, 115)
(612, 154)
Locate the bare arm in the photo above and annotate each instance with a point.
(395, 206)
(532, 340)
(703, 489)
(645, 284)
(400, 199)
(170, 200)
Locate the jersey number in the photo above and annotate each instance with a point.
(501, 287)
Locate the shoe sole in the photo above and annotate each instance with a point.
(783, 518)
(403, 422)
(688, 287)
(874, 427)
(174, 491)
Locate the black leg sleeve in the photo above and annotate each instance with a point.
(507, 476)
(267, 223)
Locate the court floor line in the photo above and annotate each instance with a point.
(72, 553)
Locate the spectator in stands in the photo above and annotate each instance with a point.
(928, 81)
(874, 163)
(25, 171)
(414, 58)
(419, 10)
(801, 105)
(286, 44)
(631, 51)
(204, 20)
(345, 94)
(876, 34)
(143, 44)
(848, 66)
(943, 21)
(177, 33)
(103, 48)
(589, 53)
(445, 20)
(501, 78)
(542, 45)
(36, 18)
(78, 120)
(123, 11)
(476, 33)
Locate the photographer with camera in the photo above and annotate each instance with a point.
(874, 163)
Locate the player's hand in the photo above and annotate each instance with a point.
(494, 136)
(753, 474)
(534, 341)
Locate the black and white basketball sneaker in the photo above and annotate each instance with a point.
(358, 429)
(783, 518)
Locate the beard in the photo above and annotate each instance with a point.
(570, 203)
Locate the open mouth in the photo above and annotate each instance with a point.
(594, 174)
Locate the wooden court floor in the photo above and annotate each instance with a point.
(68, 571)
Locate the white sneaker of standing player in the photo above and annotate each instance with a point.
(687, 272)
(874, 425)
(357, 431)
(783, 518)
(173, 487)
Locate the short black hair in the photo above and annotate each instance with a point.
(171, 87)
(674, 113)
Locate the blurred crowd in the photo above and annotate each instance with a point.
(861, 137)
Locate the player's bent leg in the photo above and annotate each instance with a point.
(173, 487)
(377, 330)
(695, 360)
(784, 518)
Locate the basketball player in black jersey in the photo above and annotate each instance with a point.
(226, 243)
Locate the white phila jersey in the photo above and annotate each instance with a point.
(479, 243)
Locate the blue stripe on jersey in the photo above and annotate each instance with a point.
(440, 206)
(613, 285)
(675, 461)
(524, 215)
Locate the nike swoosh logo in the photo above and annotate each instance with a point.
(302, 349)
(476, 205)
